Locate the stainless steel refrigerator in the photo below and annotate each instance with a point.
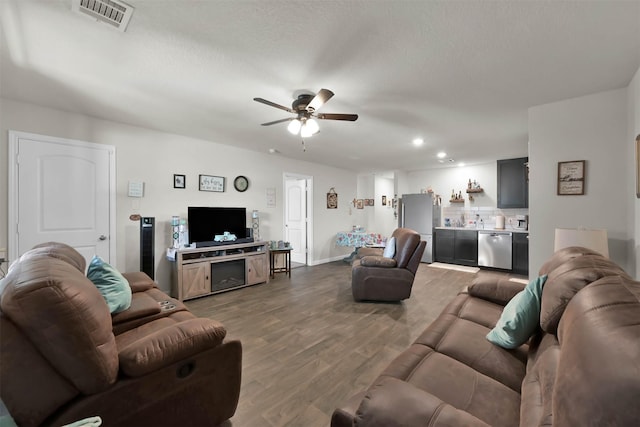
(417, 212)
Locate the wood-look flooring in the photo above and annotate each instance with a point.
(307, 346)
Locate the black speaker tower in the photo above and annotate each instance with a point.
(147, 243)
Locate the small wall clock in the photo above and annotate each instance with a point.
(241, 183)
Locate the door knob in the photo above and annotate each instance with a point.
(102, 237)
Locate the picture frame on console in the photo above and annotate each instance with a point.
(211, 183)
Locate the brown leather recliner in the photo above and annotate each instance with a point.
(376, 278)
(64, 357)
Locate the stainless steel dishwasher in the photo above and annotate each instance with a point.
(494, 249)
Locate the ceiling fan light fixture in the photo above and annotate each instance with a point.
(294, 126)
(312, 126)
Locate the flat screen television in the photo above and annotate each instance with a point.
(207, 222)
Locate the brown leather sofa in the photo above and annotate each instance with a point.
(376, 278)
(65, 358)
(581, 368)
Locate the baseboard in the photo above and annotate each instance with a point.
(327, 260)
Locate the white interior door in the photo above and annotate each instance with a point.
(63, 191)
(296, 218)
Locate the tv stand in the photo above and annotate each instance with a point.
(210, 270)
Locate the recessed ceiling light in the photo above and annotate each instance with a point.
(442, 155)
(460, 164)
(418, 142)
(451, 160)
(273, 151)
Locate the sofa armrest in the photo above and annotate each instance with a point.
(499, 291)
(169, 345)
(378, 261)
(392, 402)
(139, 281)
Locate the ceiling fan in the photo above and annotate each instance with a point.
(305, 107)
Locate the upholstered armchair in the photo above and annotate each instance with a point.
(378, 278)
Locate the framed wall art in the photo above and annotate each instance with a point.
(179, 181)
(359, 204)
(571, 178)
(211, 183)
(332, 199)
(384, 200)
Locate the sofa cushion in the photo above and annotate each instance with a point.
(598, 382)
(143, 350)
(536, 408)
(60, 251)
(459, 332)
(66, 319)
(563, 255)
(111, 284)
(520, 317)
(395, 403)
(456, 384)
(139, 281)
(494, 289)
(567, 279)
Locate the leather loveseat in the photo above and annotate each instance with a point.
(581, 367)
(64, 357)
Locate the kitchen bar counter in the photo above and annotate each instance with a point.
(512, 230)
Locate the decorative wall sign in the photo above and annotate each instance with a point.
(571, 178)
(332, 199)
(368, 202)
(179, 181)
(360, 204)
(211, 183)
(271, 197)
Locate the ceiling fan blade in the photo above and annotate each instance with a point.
(277, 121)
(318, 101)
(273, 104)
(331, 116)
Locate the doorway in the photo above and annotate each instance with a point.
(61, 190)
(298, 209)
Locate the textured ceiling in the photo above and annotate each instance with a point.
(460, 74)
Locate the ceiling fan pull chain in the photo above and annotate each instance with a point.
(304, 147)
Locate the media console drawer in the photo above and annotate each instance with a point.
(204, 271)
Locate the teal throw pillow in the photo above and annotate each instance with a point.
(520, 317)
(112, 285)
(390, 248)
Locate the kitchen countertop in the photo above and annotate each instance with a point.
(512, 230)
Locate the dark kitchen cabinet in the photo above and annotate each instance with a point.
(456, 247)
(444, 243)
(520, 253)
(513, 183)
(466, 247)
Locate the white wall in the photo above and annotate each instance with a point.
(591, 128)
(633, 105)
(153, 157)
(385, 221)
(443, 181)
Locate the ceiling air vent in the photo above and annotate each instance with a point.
(114, 12)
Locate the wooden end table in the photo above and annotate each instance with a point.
(287, 261)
